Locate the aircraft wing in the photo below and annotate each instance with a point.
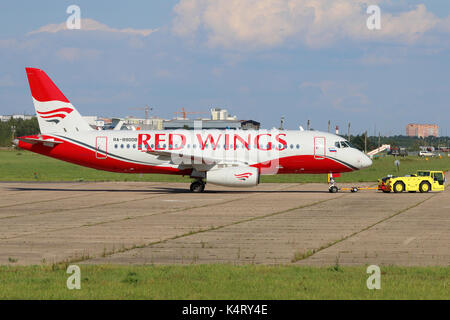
(45, 142)
(191, 159)
(194, 159)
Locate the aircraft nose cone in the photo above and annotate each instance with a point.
(15, 142)
(365, 162)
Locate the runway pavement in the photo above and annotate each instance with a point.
(163, 223)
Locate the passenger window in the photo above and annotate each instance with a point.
(337, 144)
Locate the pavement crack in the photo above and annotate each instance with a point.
(310, 253)
(125, 218)
(191, 233)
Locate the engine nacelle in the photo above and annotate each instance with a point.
(234, 176)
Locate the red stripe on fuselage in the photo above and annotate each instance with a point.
(70, 152)
(302, 164)
(82, 156)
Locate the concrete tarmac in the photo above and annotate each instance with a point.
(163, 223)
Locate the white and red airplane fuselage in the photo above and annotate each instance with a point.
(224, 157)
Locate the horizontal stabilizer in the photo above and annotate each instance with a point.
(45, 142)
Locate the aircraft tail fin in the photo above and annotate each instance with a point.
(54, 111)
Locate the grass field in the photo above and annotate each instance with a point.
(20, 165)
(223, 282)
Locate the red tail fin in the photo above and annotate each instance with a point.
(42, 87)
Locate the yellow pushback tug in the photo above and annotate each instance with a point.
(422, 181)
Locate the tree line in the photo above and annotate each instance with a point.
(21, 128)
(410, 143)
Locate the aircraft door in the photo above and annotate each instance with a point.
(101, 151)
(439, 181)
(319, 147)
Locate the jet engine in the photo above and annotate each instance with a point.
(233, 176)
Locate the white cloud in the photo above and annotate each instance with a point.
(316, 23)
(92, 25)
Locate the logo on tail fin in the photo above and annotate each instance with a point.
(52, 115)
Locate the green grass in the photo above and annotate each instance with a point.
(20, 165)
(223, 282)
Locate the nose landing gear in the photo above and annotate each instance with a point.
(332, 188)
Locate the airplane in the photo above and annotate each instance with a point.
(234, 158)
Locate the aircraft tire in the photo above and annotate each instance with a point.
(333, 189)
(197, 186)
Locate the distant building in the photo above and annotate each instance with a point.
(16, 116)
(221, 114)
(201, 124)
(144, 124)
(250, 125)
(422, 130)
(220, 119)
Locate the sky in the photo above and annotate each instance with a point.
(260, 59)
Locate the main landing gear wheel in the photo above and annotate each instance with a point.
(197, 186)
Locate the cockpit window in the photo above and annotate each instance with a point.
(343, 144)
(346, 144)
